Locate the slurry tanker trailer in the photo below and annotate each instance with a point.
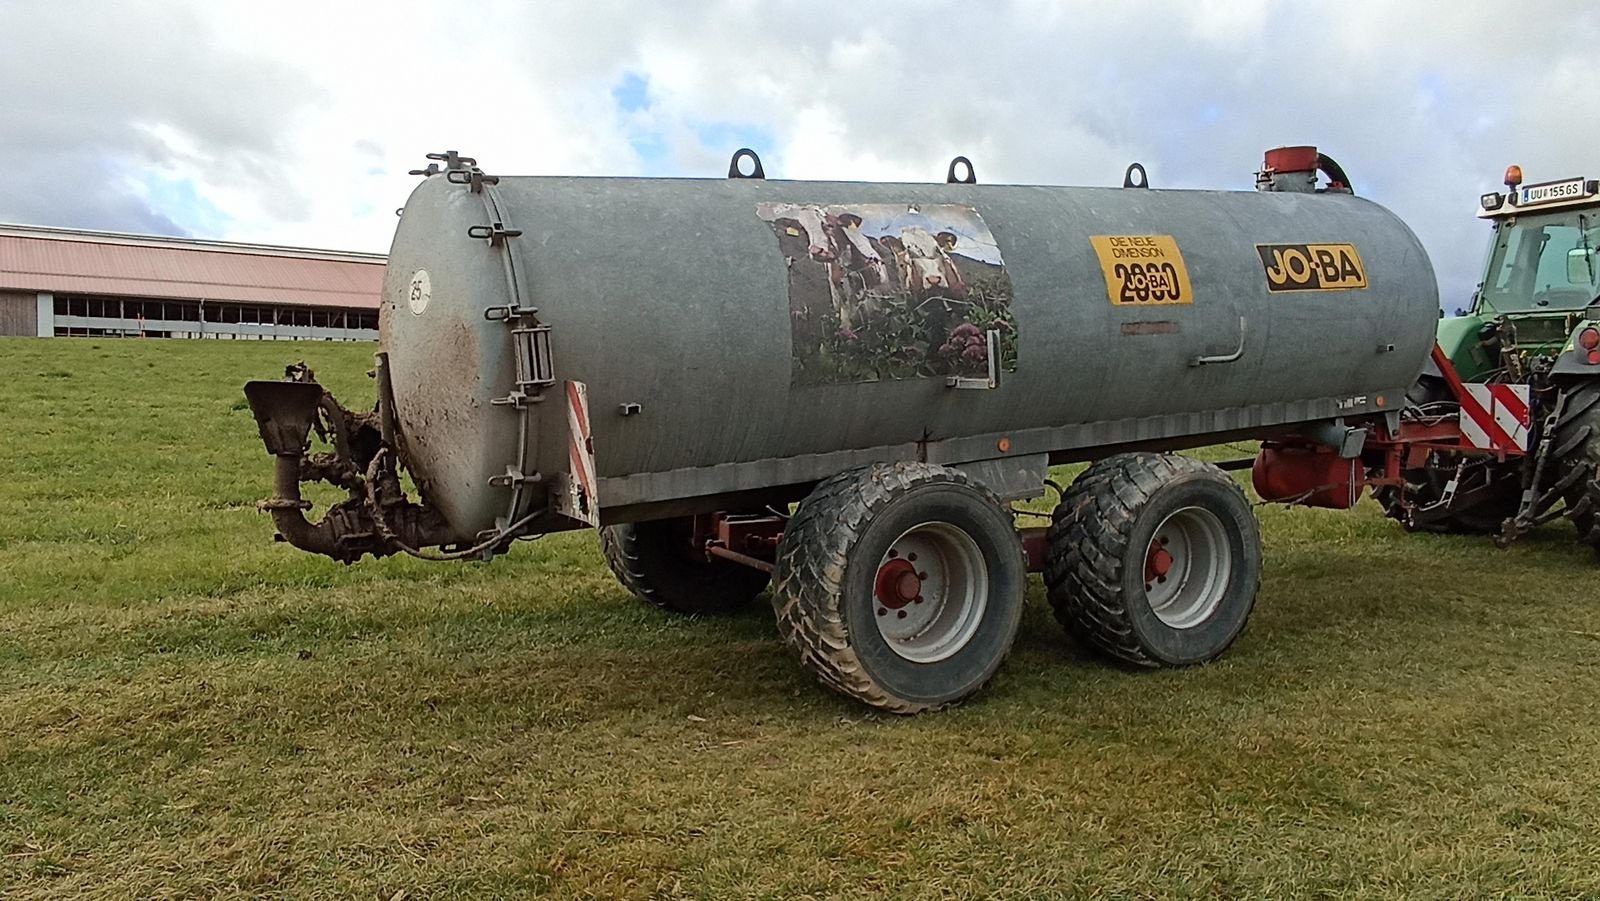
(834, 391)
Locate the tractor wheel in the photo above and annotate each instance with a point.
(654, 561)
(1154, 559)
(900, 585)
(1577, 450)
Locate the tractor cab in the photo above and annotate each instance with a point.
(1539, 286)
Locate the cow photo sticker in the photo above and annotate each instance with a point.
(884, 291)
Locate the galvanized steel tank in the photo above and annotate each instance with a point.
(740, 334)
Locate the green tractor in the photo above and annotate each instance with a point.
(1520, 371)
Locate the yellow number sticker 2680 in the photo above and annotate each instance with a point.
(1143, 270)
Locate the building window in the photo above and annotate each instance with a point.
(79, 315)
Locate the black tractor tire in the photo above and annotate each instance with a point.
(653, 560)
(1108, 528)
(1577, 445)
(829, 587)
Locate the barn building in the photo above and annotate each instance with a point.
(61, 282)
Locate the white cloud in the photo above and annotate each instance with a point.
(295, 122)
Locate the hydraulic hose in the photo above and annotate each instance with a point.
(1334, 171)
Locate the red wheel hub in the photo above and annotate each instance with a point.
(1157, 562)
(898, 584)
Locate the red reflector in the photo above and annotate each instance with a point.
(1594, 358)
(1589, 338)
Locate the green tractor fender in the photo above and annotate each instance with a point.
(1460, 337)
(1573, 362)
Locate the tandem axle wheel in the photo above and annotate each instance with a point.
(1154, 559)
(902, 585)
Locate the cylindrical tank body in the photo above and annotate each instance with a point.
(740, 332)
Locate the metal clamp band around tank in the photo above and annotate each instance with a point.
(530, 339)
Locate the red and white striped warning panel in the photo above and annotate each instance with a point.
(578, 498)
(1495, 417)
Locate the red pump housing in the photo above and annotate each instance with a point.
(1312, 475)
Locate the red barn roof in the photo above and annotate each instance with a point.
(65, 261)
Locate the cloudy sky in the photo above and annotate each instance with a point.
(295, 123)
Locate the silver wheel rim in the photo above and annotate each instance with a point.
(930, 592)
(1187, 567)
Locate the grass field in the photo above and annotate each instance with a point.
(189, 709)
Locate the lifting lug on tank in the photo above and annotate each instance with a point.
(736, 170)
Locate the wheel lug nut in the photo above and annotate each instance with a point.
(900, 613)
(912, 557)
(922, 576)
(1163, 540)
(917, 599)
(883, 611)
(893, 553)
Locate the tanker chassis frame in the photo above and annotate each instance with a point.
(899, 584)
(1151, 558)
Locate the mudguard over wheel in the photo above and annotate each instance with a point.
(654, 560)
(900, 585)
(1154, 559)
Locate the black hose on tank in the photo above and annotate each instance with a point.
(1335, 172)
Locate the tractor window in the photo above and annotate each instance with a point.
(1538, 263)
